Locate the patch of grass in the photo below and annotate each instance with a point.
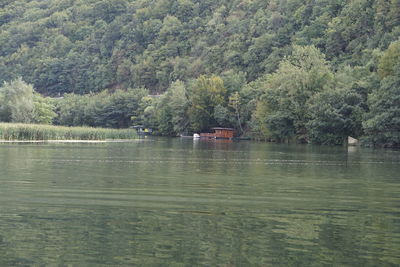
(19, 131)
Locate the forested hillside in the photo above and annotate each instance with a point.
(306, 70)
(86, 46)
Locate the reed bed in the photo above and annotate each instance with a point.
(26, 132)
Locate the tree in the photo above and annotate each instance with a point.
(382, 123)
(234, 81)
(71, 110)
(44, 109)
(335, 115)
(88, 46)
(179, 104)
(16, 102)
(20, 103)
(382, 127)
(287, 93)
(206, 94)
(117, 109)
(235, 105)
(222, 116)
(164, 117)
(172, 107)
(390, 58)
(110, 110)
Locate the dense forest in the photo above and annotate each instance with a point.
(307, 71)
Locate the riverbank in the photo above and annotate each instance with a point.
(51, 133)
(69, 141)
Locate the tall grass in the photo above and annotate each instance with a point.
(19, 131)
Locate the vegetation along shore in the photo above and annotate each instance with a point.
(19, 131)
(283, 71)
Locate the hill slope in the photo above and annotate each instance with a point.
(86, 46)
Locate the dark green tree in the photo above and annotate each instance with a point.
(382, 123)
(287, 93)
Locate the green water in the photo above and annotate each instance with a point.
(173, 202)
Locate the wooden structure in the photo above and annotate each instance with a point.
(141, 130)
(219, 133)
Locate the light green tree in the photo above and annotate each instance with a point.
(16, 102)
(390, 58)
(44, 109)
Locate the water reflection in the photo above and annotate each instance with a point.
(177, 202)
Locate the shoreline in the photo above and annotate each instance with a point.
(39, 133)
(72, 141)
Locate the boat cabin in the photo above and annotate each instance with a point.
(219, 133)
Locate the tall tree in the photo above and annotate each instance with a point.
(16, 102)
(382, 124)
(206, 94)
(288, 91)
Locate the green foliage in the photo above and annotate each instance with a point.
(258, 66)
(234, 81)
(206, 93)
(178, 103)
(338, 112)
(222, 116)
(382, 124)
(287, 93)
(335, 115)
(389, 60)
(44, 109)
(64, 46)
(16, 131)
(168, 112)
(71, 110)
(16, 102)
(20, 103)
(258, 122)
(110, 110)
(235, 103)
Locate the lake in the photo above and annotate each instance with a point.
(179, 202)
